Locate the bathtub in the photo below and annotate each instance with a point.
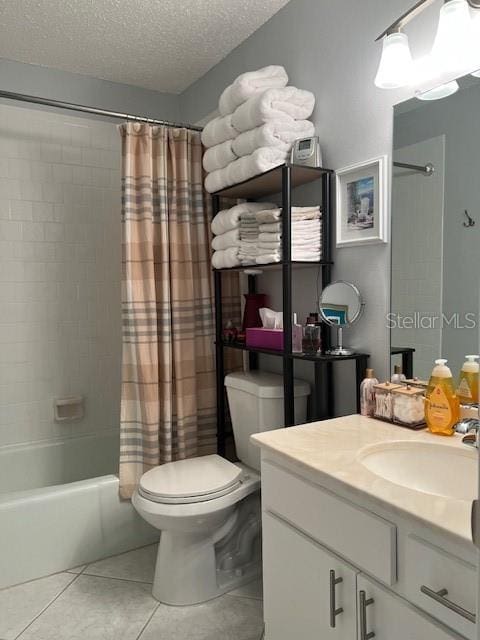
(74, 517)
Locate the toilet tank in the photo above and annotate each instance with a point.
(255, 399)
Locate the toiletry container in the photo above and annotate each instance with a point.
(384, 400)
(398, 377)
(297, 335)
(441, 404)
(408, 405)
(467, 390)
(367, 394)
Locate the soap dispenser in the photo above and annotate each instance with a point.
(467, 390)
(441, 403)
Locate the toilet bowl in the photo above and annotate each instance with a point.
(208, 509)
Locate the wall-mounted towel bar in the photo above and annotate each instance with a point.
(428, 169)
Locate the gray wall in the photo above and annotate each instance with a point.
(457, 118)
(72, 87)
(328, 47)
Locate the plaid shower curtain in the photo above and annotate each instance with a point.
(168, 368)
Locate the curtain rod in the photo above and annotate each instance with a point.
(428, 168)
(10, 95)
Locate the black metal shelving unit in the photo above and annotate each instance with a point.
(283, 179)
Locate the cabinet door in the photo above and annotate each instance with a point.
(389, 617)
(301, 595)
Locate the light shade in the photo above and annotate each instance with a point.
(454, 46)
(442, 91)
(395, 69)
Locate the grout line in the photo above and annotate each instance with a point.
(47, 606)
(97, 575)
(148, 621)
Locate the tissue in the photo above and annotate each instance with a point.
(270, 335)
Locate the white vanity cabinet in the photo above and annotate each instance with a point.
(389, 617)
(330, 569)
(308, 592)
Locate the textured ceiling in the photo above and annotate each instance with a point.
(158, 44)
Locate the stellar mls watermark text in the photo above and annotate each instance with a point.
(419, 320)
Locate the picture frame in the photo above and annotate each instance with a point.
(362, 199)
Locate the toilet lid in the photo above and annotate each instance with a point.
(191, 480)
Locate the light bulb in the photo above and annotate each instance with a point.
(395, 68)
(442, 91)
(453, 49)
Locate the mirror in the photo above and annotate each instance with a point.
(340, 306)
(436, 230)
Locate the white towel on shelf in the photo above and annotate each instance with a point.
(228, 219)
(226, 259)
(274, 104)
(266, 258)
(270, 237)
(249, 84)
(306, 256)
(298, 214)
(219, 156)
(259, 161)
(270, 227)
(226, 240)
(218, 130)
(275, 133)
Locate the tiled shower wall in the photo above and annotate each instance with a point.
(60, 266)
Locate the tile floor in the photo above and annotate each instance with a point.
(111, 600)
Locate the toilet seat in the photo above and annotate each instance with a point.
(190, 481)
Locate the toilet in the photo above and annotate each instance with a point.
(208, 509)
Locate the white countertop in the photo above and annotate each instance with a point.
(330, 449)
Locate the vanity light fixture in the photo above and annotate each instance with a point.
(456, 51)
(396, 65)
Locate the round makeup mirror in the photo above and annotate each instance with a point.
(340, 306)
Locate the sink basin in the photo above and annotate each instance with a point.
(436, 469)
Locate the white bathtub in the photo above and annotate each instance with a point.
(74, 518)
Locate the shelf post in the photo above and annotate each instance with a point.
(288, 388)
(219, 360)
(326, 249)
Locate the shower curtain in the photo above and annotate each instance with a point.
(168, 404)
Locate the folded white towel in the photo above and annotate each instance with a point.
(274, 104)
(226, 259)
(226, 240)
(228, 219)
(244, 168)
(275, 133)
(267, 247)
(306, 256)
(298, 214)
(259, 161)
(218, 157)
(249, 84)
(269, 237)
(270, 227)
(266, 258)
(218, 130)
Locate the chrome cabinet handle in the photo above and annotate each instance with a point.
(439, 596)
(334, 612)
(364, 603)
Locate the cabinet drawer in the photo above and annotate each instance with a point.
(389, 617)
(366, 540)
(430, 569)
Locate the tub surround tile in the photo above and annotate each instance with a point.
(95, 608)
(20, 605)
(137, 565)
(225, 618)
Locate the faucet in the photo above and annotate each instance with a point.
(470, 429)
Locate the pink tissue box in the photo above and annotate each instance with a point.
(264, 338)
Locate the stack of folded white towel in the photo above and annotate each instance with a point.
(306, 235)
(236, 234)
(260, 119)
